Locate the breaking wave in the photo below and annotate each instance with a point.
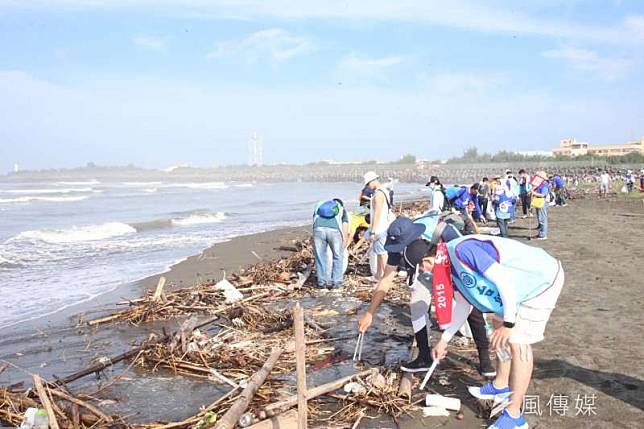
(27, 199)
(200, 185)
(87, 182)
(198, 219)
(48, 191)
(77, 234)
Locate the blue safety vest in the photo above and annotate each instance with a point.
(532, 271)
(430, 221)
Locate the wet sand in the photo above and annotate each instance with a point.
(593, 342)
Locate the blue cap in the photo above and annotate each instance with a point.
(401, 233)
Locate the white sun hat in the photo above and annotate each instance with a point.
(370, 176)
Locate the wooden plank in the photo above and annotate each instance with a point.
(300, 364)
(278, 407)
(46, 403)
(287, 420)
(230, 419)
(158, 293)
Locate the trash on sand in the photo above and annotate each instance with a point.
(230, 292)
(435, 412)
(354, 387)
(377, 381)
(35, 418)
(434, 400)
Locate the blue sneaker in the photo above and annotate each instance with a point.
(506, 421)
(488, 391)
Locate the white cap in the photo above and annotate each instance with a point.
(370, 176)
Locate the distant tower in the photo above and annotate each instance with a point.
(16, 167)
(255, 153)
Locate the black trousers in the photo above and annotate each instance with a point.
(525, 203)
(477, 325)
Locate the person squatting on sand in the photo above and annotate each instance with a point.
(330, 232)
(381, 216)
(520, 284)
(407, 243)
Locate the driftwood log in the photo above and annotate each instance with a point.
(287, 420)
(44, 400)
(230, 419)
(300, 364)
(407, 380)
(281, 406)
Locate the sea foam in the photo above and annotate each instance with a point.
(30, 198)
(197, 219)
(77, 234)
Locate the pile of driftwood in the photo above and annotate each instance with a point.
(246, 343)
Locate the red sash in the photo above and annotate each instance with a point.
(443, 287)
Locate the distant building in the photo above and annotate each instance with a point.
(535, 153)
(571, 147)
(16, 167)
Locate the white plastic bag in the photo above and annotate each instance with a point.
(230, 292)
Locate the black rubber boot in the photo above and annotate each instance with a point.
(424, 359)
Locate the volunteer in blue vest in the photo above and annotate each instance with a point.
(513, 185)
(503, 201)
(540, 195)
(630, 180)
(524, 193)
(459, 197)
(560, 190)
(407, 243)
(330, 231)
(520, 284)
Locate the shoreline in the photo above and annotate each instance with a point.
(48, 344)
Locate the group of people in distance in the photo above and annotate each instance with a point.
(463, 273)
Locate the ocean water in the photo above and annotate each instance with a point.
(62, 243)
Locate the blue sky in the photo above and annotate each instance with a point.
(166, 81)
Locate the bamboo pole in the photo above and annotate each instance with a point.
(230, 419)
(278, 407)
(44, 400)
(300, 363)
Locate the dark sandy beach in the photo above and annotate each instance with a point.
(592, 352)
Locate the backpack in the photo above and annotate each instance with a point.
(328, 209)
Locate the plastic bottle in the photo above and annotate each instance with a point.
(41, 419)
